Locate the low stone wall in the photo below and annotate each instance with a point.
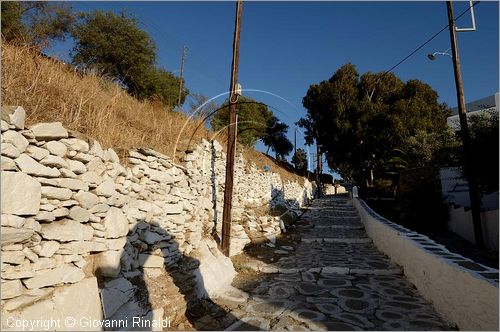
(463, 291)
(71, 213)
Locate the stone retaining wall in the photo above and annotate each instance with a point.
(463, 291)
(71, 213)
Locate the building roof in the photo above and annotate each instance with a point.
(477, 105)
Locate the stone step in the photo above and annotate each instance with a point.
(336, 240)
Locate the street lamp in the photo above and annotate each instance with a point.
(432, 56)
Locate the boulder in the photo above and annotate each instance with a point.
(30, 166)
(108, 263)
(20, 194)
(14, 115)
(61, 194)
(12, 288)
(63, 274)
(10, 235)
(16, 139)
(115, 223)
(49, 131)
(36, 153)
(56, 148)
(85, 199)
(66, 230)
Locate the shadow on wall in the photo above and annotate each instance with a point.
(150, 285)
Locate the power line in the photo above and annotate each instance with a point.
(429, 40)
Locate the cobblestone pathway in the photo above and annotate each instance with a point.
(331, 278)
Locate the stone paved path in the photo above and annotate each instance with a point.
(332, 278)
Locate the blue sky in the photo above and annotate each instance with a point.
(286, 46)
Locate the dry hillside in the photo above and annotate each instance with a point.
(50, 90)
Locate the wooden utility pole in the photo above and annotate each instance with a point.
(182, 75)
(231, 136)
(464, 132)
(295, 147)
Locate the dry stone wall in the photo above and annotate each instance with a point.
(73, 215)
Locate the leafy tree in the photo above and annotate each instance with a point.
(165, 86)
(253, 118)
(275, 138)
(359, 121)
(118, 47)
(36, 22)
(299, 159)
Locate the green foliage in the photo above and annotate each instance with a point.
(299, 159)
(115, 45)
(360, 121)
(253, 118)
(35, 22)
(275, 138)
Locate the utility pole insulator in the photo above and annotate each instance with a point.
(231, 140)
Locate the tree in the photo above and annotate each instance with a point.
(165, 86)
(35, 22)
(299, 159)
(359, 121)
(275, 138)
(204, 109)
(253, 118)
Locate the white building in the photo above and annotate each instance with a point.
(487, 105)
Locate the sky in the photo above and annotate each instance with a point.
(287, 46)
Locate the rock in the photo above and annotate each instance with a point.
(147, 260)
(116, 223)
(79, 214)
(36, 153)
(76, 144)
(110, 155)
(62, 274)
(56, 148)
(173, 208)
(115, 294)
(116, 244)
(8, 164)
(66, 230)
(76, 166)
(49, 131)
(10, 150)
(96, 149)
(14, 235)
(81, 247)
(62, 212)
(20, 194)
(12, 257)
(28, 165)
(12, 221)
(44, 263)
(31, 223)
(10, 289)
(30, 254)
(99, 208)
(56, 193)
(91, 178)
(151, 237)
(85, 199)
(14, 115)
(67, 173)
(73, 184)
(49, 248)
(5, 126)
(16, 139)
(18, 272)
(106, 189)
(54, 161)
(108, 263)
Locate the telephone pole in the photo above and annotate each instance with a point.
(231, 136)
(295, 147)
(464, 132)
(182, 74)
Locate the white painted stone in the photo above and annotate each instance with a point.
(54, 161)
(10, 150)
(20, 194)
(147, 260)
(14, 235)
(12, 288)
(36, 152)
(14, 115)
(79, 214)
(66, 230)
(108, 263)
(63, 274)
(56, 148)
(12, 221)
(116, 223)
(76, 166)
(56, 193)
(30, 166)
(8, 164)
(49, 131)
(86, 199)
(106, 189)
(16, 139)
(49, 248)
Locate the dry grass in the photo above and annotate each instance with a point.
(50, 91)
